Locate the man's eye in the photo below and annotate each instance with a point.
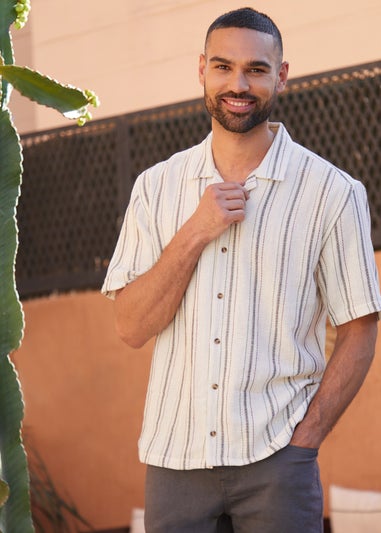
(222, 67)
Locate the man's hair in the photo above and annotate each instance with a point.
(247, 17)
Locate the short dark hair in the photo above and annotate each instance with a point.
(247, 17)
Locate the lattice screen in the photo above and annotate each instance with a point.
(77, 182)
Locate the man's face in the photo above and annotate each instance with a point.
(242, 74)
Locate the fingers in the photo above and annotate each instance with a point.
(228, 195)
(233, 187)
(221, 205)
(227, 201)
(228, 190)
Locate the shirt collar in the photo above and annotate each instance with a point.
(273, 166)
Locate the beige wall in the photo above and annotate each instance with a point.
(139, 54)
(84, 391)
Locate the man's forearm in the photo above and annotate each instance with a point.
(147, 305)
(343, 377)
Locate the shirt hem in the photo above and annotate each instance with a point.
(177, 464)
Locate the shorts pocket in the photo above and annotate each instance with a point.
(310, 452)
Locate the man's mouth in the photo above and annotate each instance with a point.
(238, 104)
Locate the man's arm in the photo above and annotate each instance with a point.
(343, 377)
(147, 305)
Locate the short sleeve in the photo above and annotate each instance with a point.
(133, 253)
(347, 273)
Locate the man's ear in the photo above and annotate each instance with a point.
(282, 77)
(201, 69)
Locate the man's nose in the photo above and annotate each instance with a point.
(239, 82)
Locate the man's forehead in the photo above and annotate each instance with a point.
(240, 38)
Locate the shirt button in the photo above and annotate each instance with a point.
(213, 433)
(215, 386)
(217, 341)
(220, 295)
(224, 249)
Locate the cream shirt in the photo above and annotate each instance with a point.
(236, 369)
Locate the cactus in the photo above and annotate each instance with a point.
(15, 512)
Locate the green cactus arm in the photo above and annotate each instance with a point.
(15, 516)
(11, 318)
(8, 16)
(69, 101)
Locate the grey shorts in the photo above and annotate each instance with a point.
(281, 494)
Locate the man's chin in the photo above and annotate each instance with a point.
(239, 127)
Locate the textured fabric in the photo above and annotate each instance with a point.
(281, 494)
(236, 369)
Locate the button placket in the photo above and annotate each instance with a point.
(216, 350)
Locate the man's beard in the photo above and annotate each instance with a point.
(239, 122)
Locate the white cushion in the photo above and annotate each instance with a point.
(137, 521)
(354, 511)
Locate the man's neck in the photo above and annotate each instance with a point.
(237, 154)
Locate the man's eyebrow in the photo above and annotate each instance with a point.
(259, 64)
(253, 63)
(218, 59)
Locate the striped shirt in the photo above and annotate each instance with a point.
(234, 372)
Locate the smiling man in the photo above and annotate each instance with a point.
(233, 253)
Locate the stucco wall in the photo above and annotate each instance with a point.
(138, 54)
(84, 391)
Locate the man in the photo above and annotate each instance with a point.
(233, 252)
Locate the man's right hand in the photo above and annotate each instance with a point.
(221, 205)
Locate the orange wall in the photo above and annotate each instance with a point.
(84, 391)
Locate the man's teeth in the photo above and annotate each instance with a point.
(237, 104)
